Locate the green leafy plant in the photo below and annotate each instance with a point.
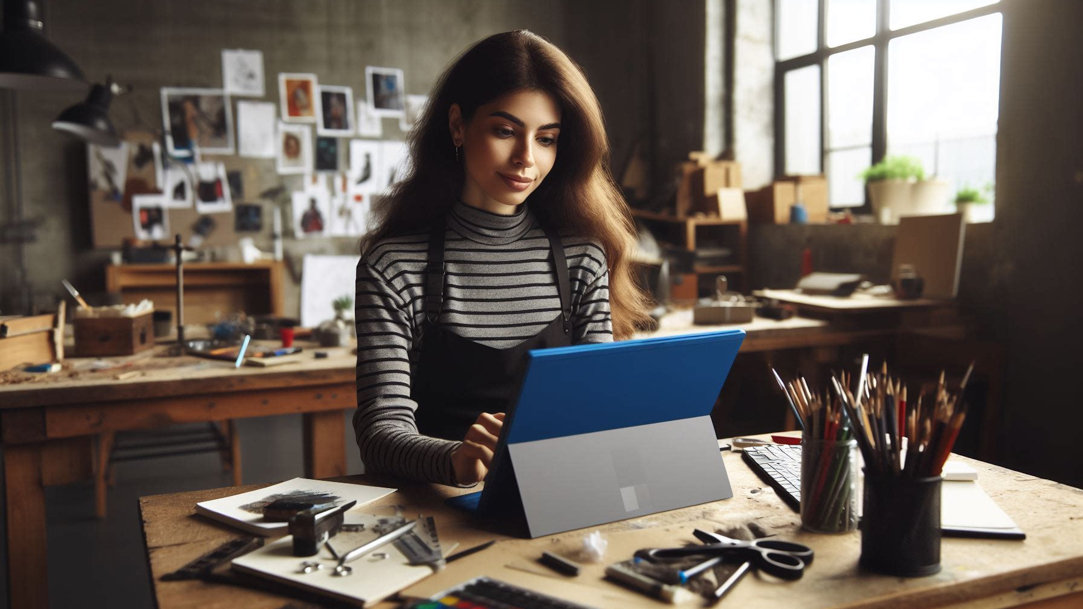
(895, 167)
(342, 303)
(970, 194)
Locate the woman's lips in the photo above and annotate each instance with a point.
(517, 183)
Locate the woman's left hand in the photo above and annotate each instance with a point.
(472, 458)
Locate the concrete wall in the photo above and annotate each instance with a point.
(647, 71)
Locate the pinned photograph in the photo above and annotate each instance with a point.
(149, 220)
(197, 121)
(256, 129)
(368, 122)
(294, 148)
(177, 186)
(395, 161)
(211, 189)
(107, 169)
(364, 166)
(248, 218)
(335, 111)
(327, 154)
(297, 96)
(310, 212)
(386, 90)
(415, 107)
(242, 72)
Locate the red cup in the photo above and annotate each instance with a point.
(287, 336)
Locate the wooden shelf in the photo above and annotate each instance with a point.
(689, 233)
(212, 290)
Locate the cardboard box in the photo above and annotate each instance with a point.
(702, 177)
(105, 336)
(29, 340)
(771, 204)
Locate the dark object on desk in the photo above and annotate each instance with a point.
(107, 336)
(829, 284)
(224, 553)
(772, 309)
(559, 564)
(469, 551)
(908, 284)
(488, 593)
(308, 525)
(783, 559)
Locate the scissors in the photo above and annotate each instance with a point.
(782, 559)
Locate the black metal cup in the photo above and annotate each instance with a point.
(900, 525)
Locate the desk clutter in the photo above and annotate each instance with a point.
(329, 538)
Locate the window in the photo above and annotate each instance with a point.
(857, 80)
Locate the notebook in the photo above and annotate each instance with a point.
(604, 432)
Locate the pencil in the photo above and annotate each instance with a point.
(75, 294)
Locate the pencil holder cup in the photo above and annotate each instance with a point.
(900, 525)
(828, 485)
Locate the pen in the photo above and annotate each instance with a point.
(382, 540)
(244, 347)
(469, 551)
(730, 582)
(75, 294)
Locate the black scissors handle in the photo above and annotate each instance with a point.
(783, 559)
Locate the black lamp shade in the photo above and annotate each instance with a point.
(90, 119)
(27, 59)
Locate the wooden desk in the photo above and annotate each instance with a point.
(1046, 568)
(40, 415)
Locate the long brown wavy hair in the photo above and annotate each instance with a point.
(579, 194)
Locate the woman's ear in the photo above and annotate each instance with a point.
(455, 124)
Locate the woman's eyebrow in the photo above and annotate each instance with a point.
(519, 121)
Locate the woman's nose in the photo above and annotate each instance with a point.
(524, 154)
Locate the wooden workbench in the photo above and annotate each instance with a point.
(1047, 567)
(142, 392)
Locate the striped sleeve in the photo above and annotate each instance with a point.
(384, 422)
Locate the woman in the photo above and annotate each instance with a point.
(495, 244)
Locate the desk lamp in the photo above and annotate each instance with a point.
(27, 59)
(89, 120)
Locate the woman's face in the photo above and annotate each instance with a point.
(508, 148)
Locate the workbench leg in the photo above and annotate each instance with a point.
(325, 444)
(24, 495)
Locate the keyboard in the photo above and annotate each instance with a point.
(780, 466)
(488, 593)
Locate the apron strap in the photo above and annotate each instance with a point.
(560, 264)
(434, 274)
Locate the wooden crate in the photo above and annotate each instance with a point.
(105, 336)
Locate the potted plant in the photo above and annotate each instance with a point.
(337, 332)
(898, 187)
(968, 199)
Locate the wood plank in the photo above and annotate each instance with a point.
(325, 444)
(98, 417)
(24, 498)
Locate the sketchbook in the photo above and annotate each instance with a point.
(373, 577)
(245, 510)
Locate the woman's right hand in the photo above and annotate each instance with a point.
(471, 459)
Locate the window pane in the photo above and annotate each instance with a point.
(849, 98)
(909, 12)
(844, 187)
(943, 88)
(797, 22)
(802, 95)
(850, 20)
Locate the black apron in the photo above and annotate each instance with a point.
(458, 379)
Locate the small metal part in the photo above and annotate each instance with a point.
(310, 566)
(379, 555)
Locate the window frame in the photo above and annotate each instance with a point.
(880, 40)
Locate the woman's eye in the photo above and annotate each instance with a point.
(547, 141)
(503, 132)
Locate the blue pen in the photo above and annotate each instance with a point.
(244, 347)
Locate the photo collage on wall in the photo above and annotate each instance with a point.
(328, 147)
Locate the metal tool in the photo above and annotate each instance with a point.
(314, 526)
(342, 569)
(200, 567)
(782, 559)
(422, 546)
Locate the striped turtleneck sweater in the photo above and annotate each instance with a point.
(500, 289)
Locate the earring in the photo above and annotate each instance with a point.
(458, 154)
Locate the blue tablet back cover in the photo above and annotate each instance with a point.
(594, 387)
